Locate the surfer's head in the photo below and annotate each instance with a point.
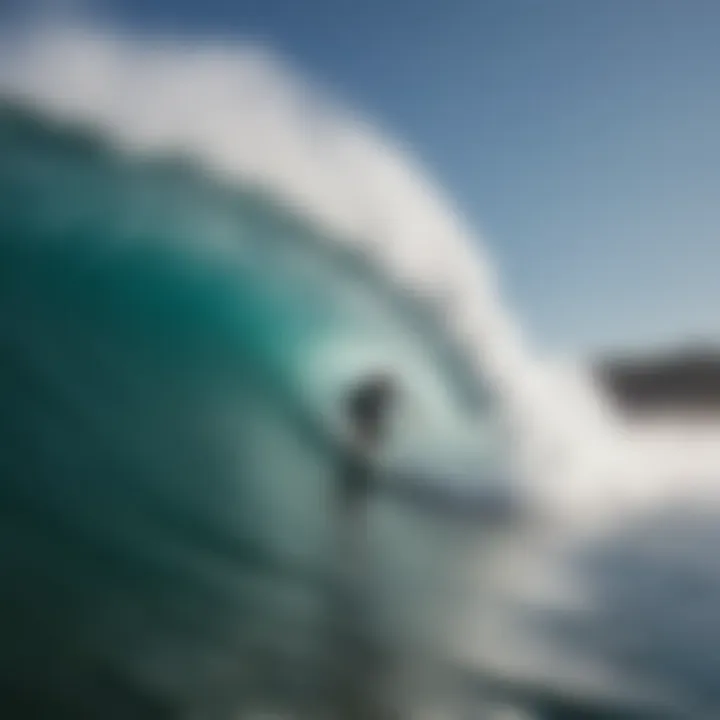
(369, 404)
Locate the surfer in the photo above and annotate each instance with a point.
(357, 659)
(368, 407)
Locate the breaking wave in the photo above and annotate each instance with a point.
(200, 254)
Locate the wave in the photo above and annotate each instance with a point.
(200, 254)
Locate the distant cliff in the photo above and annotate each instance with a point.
(686, 380)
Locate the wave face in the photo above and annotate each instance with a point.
(173, 351)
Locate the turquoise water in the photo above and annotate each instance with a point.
(174, 351)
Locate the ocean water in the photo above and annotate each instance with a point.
(199, 257)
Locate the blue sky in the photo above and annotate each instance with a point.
(581, 136)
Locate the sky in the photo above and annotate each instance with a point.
(580, 138)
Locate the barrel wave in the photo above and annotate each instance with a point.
(173, 351)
